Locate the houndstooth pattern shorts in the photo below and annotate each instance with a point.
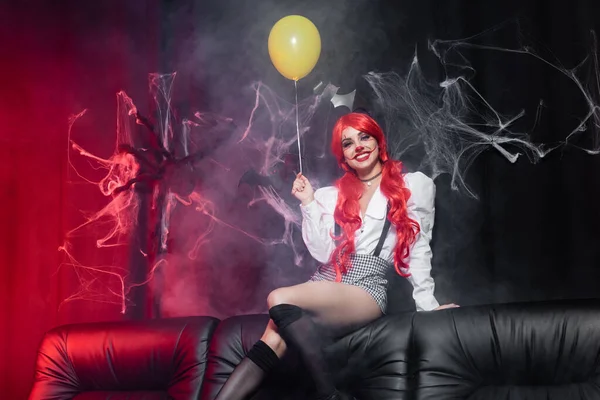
(367, 272)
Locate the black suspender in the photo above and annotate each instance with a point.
(384, 232)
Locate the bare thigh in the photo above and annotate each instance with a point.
(335, 305)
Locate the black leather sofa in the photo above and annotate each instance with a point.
(548, 351)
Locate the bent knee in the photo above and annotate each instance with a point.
(279, 296)
(275, 342)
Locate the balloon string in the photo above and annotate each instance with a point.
(298, 126)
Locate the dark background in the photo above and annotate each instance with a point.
(531, 235)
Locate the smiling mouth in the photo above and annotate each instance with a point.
(362, 156)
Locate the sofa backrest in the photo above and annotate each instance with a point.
(527, 351)
(530, 351)
(371, 362)
(146, 359)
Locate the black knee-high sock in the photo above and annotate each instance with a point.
(299, 330)
(250, 372)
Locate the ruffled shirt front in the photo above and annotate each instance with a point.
(318, 224)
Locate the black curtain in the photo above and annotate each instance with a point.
(533, 233)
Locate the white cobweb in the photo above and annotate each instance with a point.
(451, 123)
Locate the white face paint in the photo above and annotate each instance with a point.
(361, 150)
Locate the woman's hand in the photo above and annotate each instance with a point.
(303, 190)
(445, 306)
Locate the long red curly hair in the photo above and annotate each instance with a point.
(350, 189)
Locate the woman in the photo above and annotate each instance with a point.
(345, 228)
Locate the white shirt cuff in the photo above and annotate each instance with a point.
(311, 210)
(427, 304)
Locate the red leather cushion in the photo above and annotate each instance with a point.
(123, 396)
(162, 356)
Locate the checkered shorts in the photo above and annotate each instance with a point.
(367, 272)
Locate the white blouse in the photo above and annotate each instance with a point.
(318, 224)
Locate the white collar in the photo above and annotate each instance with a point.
(377, 207)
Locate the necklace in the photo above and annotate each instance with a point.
(369, 181)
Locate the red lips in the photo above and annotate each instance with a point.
(362, 153)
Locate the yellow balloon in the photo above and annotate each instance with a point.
(294, 46)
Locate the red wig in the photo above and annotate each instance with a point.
(350, 189)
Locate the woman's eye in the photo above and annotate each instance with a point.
(346, 145)
(365, 137)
